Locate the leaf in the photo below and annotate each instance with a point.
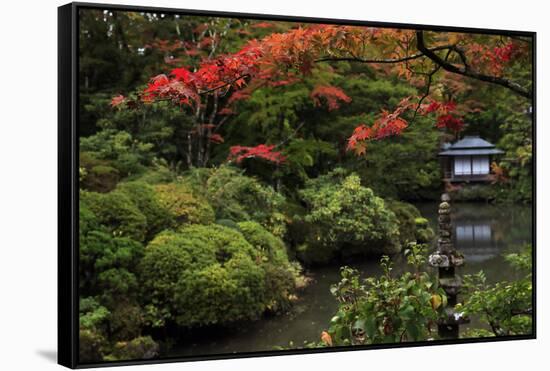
(326, 338)
(371, 328)
(407, 312)
(436, 301)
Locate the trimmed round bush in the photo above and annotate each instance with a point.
(184, 206)
(203, 274)
(272, 247)
(238, 197)
(280, 276)
(406, 217)
(116, 212)
(158, 216)
(345, 219)
(107, 264)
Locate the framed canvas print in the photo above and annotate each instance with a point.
(235, 185)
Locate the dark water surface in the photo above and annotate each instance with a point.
(482, 232)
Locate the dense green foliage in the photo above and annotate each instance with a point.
(184, 206)
(412, 226)
(344, 219)
(237, 197)
(151, 204)
(507, 307)
(387, 309)
(215, 271)
(116, 212)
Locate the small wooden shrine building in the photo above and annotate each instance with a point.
(468, 160)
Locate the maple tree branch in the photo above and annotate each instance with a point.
(382, 61)
(228, 83)
(466, 71)
(429, 77)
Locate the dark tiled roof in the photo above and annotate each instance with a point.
(469, 152)
(471, 142)
(470, 145)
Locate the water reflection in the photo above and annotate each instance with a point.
(482, 232)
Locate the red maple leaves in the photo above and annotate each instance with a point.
(263, 151)
(224, 72)
(330, 94)
(392, 124)
(118, 100)
(279, 59)
(388, 124)
(446, 117)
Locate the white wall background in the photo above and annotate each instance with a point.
(28, 155)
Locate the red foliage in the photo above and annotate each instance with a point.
(493, 59)
(388, 124)
(450, 122)
(225, 111)
(442, 108)
(391, 124)
(118, 100)
(185, 87)
(216, 138)
(446, 118)
(330, 94)
(263, 151)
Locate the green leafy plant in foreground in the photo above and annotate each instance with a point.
(505, 306)
(386, 309)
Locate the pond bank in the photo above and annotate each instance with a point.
(482, 232)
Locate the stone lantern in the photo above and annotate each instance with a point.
(446, 259)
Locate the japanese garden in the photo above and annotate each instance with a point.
(251, 185)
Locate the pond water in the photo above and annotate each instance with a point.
(482, 232)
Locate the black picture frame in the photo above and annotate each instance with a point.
(68, 195)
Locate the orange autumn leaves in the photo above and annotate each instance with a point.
(391, 124)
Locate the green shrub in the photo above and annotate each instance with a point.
(272, 247)
(281, 276)
(106, 265)
(388, 308)
(93, 320)
(126, 321)
(202, 275)
(148, 202)
(474, 192)
(184, 206)
(228, 223)
(157, 173)
(424, 235)
(93, 315)
(506, 306)
(87, 221)
(116, 212)
(90, 346)
(406, 215)
(345, 219)
(421, 223)
(238, 197)
(97, 175)
(143, 347)
(123, 152)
